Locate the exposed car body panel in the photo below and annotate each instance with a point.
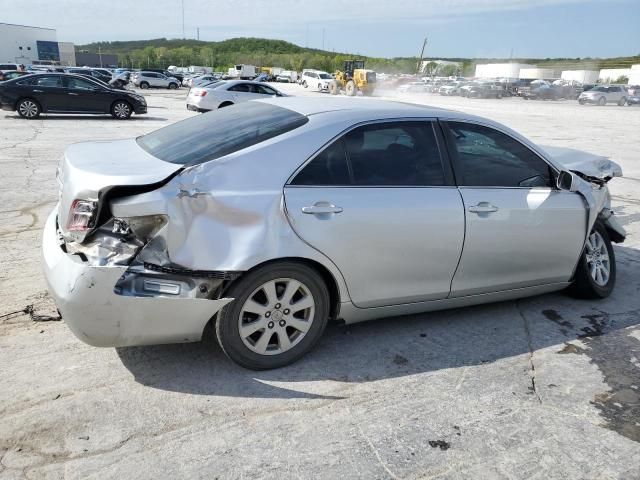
(81, 292)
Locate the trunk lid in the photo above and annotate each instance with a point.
(89, 170)
(595, 166)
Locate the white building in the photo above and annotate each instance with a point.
(538, 73)
(634, 75)
(29, 45)
(582, 76)
(611, 75)
(500, 70)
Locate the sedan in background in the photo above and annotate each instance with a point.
(65, 93)
(267, 219)
(634, 100)
(225, 93)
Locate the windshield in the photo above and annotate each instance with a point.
(220, 132)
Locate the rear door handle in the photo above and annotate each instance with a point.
(37, 91)
(74, 94)
(320, 208)
(483, 207)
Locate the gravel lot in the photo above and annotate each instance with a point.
(544, 388)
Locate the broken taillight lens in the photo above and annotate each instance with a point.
(81, 215)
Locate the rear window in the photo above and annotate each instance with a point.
(220, 132)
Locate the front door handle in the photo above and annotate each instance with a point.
(74, 94)
(320, 208)
(37, 91)
(483, 207)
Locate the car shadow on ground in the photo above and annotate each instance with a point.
(89, 117)
(401, 346)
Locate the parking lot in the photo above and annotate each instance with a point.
(545, 388)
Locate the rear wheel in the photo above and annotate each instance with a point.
(334, 89)
(622, 102)
(596, 273)
(279, 313)
(351, 88)
(121, 110)
(28, 108)
(602, 101)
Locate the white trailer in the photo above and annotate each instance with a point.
(244, 72)
(199, 69)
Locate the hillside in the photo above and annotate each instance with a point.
(162, 52)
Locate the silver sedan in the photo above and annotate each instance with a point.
(270, 218)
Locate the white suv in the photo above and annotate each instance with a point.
(316, 79)
(153, 79)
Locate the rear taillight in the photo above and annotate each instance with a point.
(81, 215)
(200, 93)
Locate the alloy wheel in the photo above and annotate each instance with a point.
(598, 259)
(28, 109)
(276, 316)
(121, 110)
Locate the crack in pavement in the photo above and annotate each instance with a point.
(532, 367)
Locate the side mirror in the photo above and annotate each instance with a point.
(567, 181)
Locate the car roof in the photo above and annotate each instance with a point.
(315, 105)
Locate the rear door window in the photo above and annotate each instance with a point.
(241, 87)
(382, 154)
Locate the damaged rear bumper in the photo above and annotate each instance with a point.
(98, 316)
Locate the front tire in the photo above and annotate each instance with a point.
(622, 102)
(351, 88)
(602, 101)
(173, 86)
(596, 273)
(121, 110)
(278, 314)
(334, 89)
(28, 108)
(144, 85)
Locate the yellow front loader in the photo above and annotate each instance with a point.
(353, 79)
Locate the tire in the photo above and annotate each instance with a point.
(173, 86)
(499, 96)
(28, 108)
(587, 284)
(319, 87)
(622, 102)
(581, 102)
(351, 89)
(225, 104)
(304, 84)
(144, 85)
(250, 294)
(121, 110)
(602, 101)
(334, 89)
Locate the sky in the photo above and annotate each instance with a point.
(380, 28)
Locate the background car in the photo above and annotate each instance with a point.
(153, 79)
(224, 93)
(316, 79)
(89, 72)
(634, 100)
(10, 74)
(603, 94)
(67, 93)
(484, 90)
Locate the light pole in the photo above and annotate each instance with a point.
(183, 37)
